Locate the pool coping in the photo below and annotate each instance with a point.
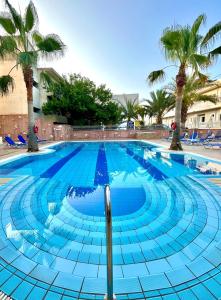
(45, 149)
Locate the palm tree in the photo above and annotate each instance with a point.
(181, 45)
(161, 102)
(142, 112)
(191, 95)
(129, 108)
(25, 44)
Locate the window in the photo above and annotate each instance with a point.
(36, 109)
(202, 118)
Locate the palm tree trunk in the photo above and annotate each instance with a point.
(32, 139)
(159, 120)
(184, 112)
(180, 83)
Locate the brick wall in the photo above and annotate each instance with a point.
(18, 124)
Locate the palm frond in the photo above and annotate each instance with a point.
(17, 19)
(27, 58)
(211, 98)
(37, 37)
(212, 35)
(6, 84)
(31, 17)
(48, 80)
(156, 76)
(50, 45)
(171, 40)
(201, 60)
(202, 77)
(215, 52)
(7, 46)
(198, 22)
(7, 24)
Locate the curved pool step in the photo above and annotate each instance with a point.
(130, 256)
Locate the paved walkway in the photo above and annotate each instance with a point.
(6, 151)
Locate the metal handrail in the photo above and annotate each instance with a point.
(108, 216)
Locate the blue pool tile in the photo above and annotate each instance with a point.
(202, 293)
(68, 281)
(4, 276)
(187, 294)
(9, 286)
(172, 297)
(63, 265)
(134, 270)
(42, 273)
(158, 266)
(24, 264)
(22, 291)
(179, 276)
(126, 285)
(52, 296)
(213, 287)
(200, 266)
(98, 286)
(88, 270)
(154, 282)
(36, 293)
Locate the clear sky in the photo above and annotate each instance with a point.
(117, 41)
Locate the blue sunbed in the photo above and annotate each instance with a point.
(22, 140)
(11, 143)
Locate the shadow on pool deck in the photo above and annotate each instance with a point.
(196, 149)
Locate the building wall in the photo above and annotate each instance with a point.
(202, 115)
(15, 102)
(122, 98)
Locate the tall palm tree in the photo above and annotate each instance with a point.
(25, 44)
(181, 45)
(191, 95)
(129, 108)
(161, 102)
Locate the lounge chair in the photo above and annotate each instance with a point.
(41, 140)
(200, 140)
(193, 138)
(22, 140)
(216, 136)
(212, 145)
(11, 143)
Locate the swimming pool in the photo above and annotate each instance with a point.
(166, 224)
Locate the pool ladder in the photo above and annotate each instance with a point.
(108, 217)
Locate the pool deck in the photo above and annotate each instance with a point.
(7, 152)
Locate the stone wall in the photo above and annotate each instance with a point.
(13, 125)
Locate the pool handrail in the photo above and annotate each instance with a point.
(108, 217)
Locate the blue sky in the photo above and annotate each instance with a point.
(117, 41)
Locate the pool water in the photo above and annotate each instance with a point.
(166, 224)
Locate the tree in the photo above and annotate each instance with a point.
(142, 112)
(161, 102)
(23, 43)
(83, 103)
(191, 95)
(181, 45)
(129, 108)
